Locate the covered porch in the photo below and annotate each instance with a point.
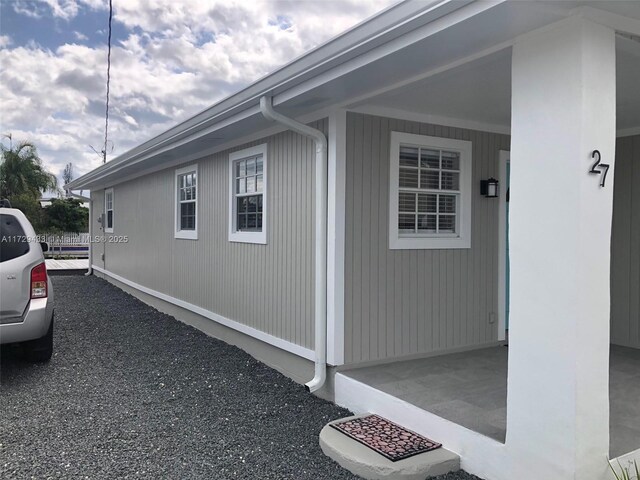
(470, 389)
(561, 397)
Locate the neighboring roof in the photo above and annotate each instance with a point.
(395, 45)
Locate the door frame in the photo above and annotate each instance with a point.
(503, 158)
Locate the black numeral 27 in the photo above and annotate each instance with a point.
(597, 164)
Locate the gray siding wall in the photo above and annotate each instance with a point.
(405, 302)
(625, 245)
(267, 287)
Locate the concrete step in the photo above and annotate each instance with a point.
(367, 463)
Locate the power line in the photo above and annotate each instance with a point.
(106, 116)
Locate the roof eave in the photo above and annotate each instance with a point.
(372, 30)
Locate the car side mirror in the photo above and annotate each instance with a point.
(45, 246)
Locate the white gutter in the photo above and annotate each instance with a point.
(87, 199)
(320, 280)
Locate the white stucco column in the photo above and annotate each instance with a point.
(563, 108)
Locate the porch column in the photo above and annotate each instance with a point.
(563, 108)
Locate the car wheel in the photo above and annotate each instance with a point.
(40, 349)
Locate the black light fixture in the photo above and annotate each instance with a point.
(489, 188)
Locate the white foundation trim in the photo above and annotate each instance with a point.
(337, 174)
(227, 322)
(504, 157)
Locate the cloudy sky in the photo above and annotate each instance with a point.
(170, 59)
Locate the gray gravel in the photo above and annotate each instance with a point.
(133, 393)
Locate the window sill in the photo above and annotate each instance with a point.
(429, 243)
(187, 234)
(259, 238)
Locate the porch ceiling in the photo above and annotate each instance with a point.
(480, 91)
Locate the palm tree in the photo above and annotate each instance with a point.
(22, 172)
(67, 176)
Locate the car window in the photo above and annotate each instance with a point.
(13, 241)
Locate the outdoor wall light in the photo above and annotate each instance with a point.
(489, 188)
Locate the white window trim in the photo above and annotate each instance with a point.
(113, 214)
(463, 240)
(178, 233)
(248, 237)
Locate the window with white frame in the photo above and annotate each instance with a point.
(187, 202)
(248, 195)
(430, 192)
(108, 210)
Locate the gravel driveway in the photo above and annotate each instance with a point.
(133, 393)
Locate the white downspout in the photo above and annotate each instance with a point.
(87, 199)
(320, 281)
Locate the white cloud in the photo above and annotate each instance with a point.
(5, 41)
(64, 9)
(80, 36)
(183, 57)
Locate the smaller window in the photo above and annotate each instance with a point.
(430, 192)
(248, 198)
(187, 203)
(108, 210)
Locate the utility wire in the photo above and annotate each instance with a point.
(106, 116)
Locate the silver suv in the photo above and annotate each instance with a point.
(26, 294)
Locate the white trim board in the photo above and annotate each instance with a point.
(337, 175)
(227, 322)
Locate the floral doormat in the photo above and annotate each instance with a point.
(388, 439)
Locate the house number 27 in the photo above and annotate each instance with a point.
(599, 168)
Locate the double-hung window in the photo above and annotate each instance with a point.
(248, 195)
(430, 192)
(108, 210)
(187, 202)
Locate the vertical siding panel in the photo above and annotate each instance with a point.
(289, 328)
(298, 316)
(397, 282)
(634, 277)
(365, 244)
(268, 287)
(357, 257)
(375, 158)
(621, 287)
(390, 263)
(350, 215)
(382, 207)
(414, 301)
(635, 242)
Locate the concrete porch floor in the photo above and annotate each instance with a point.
(470, 389)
